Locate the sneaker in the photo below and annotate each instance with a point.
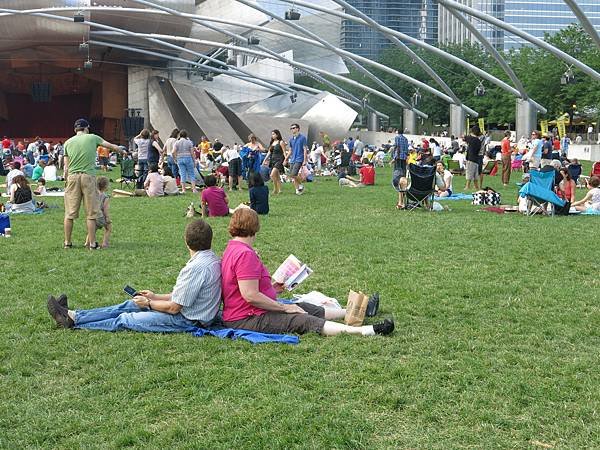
(373, 305)
(62, 301)
(384, 328)
(298, 192)
(301, 188)
(59, 313)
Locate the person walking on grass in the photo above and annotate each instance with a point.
(194, 301)
(506, 158)
(79, 173)
(473, 141)
(297, 157)
(274, 159)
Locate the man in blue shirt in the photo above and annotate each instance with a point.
(297, 156)
(400, 153)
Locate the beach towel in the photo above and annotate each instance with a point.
(251, 336)
(457, 196)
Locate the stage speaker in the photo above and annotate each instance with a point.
(132, 126)
(41, 92)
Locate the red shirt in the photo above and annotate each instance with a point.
(367, 174)
(556, 144)
(5, 143)
(240, 262)
(506, 146)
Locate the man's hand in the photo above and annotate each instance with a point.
(278, 287)
(293, 309)
(141, 301)
(148, 294)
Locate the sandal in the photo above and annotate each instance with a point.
(399, 206)
(67, 245)
(96, 246)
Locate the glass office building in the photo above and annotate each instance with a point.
(535, 17)
(417, 18)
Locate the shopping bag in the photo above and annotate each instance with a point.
(356, 308)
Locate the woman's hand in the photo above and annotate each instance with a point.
(278, 287)
(148, 294)
(293, 309)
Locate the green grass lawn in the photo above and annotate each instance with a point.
(496, 346)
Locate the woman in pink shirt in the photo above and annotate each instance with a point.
(154, 184)
(249, 295)
(214, 199)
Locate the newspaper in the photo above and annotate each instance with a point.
(291, 273)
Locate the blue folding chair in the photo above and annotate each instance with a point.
(540, 193)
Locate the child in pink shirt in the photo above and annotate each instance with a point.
(154, 183)
(214, 199)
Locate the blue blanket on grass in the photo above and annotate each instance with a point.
(457, 196)
(251, 336)
(591, 212)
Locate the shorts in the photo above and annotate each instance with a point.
(100, 222)
(235, 168)
(275, 322)
(103, 160)
(471, 171)
(295, 169)
(81, 186)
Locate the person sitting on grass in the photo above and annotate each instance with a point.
(367, 173)
(170, 182)
(249, 296)
(38, 170)
(591, 201)
(41, 187)
(347, 180)
(154, 184)
(193, 302)
(21, 197)
(103, 220)
(214, 199)
(259, 193)
(443, 181)
(566, 188)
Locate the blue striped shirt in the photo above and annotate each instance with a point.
(401, 150)
(198, 287)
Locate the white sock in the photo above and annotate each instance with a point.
(71, 314)
(368, 330)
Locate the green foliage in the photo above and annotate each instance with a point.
(539, 71)
(498, 321)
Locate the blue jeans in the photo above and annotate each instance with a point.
(173, 166)
(186, 169)
(143, 169)
(128, 316)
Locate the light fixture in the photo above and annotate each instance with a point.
(293, 97)
(208, 77)
(84, 47)
(568, 77)
(231, 62)
(78, 17)
(480, 90)
(87, 64)
(416, 98)
(253, 40)
(292, 14)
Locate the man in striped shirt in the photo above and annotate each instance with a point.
(193, 303)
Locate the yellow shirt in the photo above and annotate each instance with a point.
(412, 158)
(204, 147)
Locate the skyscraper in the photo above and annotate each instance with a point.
(533, 17)
(417, 18)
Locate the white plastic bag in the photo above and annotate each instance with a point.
(318, 299)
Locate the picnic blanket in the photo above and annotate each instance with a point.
(251, 336)
(591, 212)
(52, 194)
(457, 196)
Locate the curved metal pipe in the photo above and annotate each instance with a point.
(389, 32)
(584, 21)
(492, 50)
(532, 39)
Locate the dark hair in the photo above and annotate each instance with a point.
(565, 172)
(244, 223)
(167, 171)
(279, 138)
(256, 179)
(102, 183)
(594, 182)
(22, 181)
(210, 180)
(16, 165)
(174, 133)
(365, 161)
(295, 125)
(476, 130)
(152, 167)
(198, 235)
(42, 181)
(183, 134)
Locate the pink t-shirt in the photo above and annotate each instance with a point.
(155, 184)
(240, 262)
(215, 198)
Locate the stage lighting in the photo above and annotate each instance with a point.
(78, 17)
(293, 97)
(87, 64)
(84, 47)
(252, 40)
(292, 14)
(480, 90)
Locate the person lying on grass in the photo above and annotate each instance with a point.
(249, 296)
(193, 303)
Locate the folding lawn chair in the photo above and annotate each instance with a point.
(421, 188)
(454, 167)
(487, 169)
(128, 176)
(539, 193)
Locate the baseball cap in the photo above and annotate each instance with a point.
(81, 123)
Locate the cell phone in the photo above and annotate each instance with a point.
(130, 291)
